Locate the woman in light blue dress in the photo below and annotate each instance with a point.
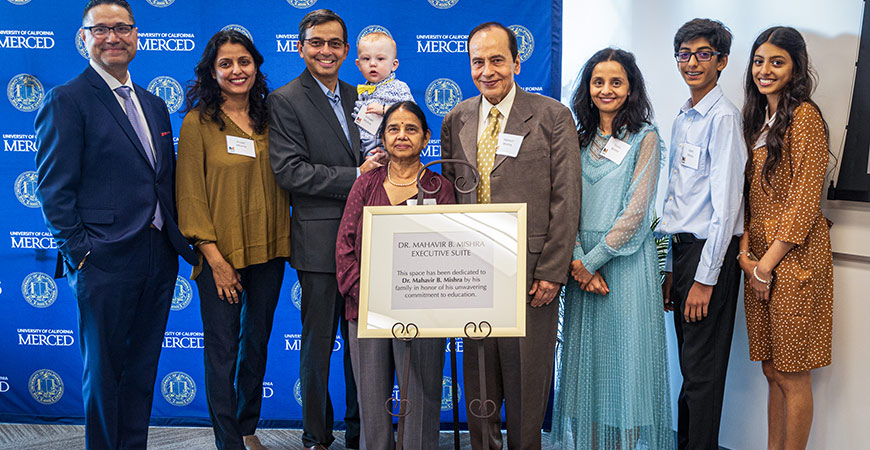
(613, 386)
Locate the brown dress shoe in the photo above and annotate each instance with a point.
(252, 442)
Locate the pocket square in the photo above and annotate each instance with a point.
(165, 133)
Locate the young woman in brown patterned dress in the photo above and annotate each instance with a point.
(785, 251)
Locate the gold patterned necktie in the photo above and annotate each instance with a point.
(486, 155)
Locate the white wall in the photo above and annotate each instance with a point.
(831, 28)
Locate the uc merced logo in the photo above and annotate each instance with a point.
(160, 3)
(296, 295)
(372, 29)
(443, 4)
(169, 90)
(178, 388)
(182, 295)
(297, 391)
(25, 189)
(25, 92)
(442, 95)
(240, 29)
(447, 394)
(525, 41)
(39, 290)
(80, 46)
(301, 4)
(19, 2)
(45, 386)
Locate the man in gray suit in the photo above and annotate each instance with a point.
(544, 173)
(314, 148)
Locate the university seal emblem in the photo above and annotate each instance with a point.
(443, 4)
(442, 95)
(25, 92)
(372, 29)
(182, 295)
(45, 386)
(525, 41)
(169, 90)
(240, 29)
(25, 189)
(178, 388)
(39, 290)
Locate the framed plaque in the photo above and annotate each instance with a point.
(441, 267)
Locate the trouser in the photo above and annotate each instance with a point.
(322, 315)
(518, 373)
(704, 346)
(377, 363)
(236, 337)
(122, 318)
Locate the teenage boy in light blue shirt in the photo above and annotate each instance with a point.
(703, 213)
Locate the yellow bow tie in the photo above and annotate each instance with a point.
(365, 88)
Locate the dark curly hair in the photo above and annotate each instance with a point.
(795, 92)
(204, 94)
(634, 113)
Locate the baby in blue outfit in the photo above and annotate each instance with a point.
(376, 59)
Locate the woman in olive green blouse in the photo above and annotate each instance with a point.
(231, 209)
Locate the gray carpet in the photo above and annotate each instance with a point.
(72, 437)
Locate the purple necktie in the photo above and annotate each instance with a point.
(133, 116)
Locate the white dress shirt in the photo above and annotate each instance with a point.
(504, 107)
(114, 84)
(706, 201)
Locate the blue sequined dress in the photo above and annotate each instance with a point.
(613, 390)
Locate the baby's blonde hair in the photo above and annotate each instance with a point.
(377, 36)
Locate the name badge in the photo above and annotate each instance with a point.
(426, 201)
(615, 150)
(241, 146)
(691, 156)
(509, 144)
(369, 122)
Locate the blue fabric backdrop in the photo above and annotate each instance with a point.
(40, 363)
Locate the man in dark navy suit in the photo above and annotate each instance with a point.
(106, 169)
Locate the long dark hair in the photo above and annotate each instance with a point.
(795, 92)
(205, 95)
(633, 114)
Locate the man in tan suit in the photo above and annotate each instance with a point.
(545, 174)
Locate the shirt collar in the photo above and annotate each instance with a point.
(332, 96)
(504, 106)
(109, 79)
(706, 103)
(770, 119)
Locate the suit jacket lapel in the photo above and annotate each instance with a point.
(468, 132)
(517, 121)
(107, 97)
(318, 98)
(347, 102)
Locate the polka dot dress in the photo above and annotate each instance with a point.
(794, 327)
(486, 155)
